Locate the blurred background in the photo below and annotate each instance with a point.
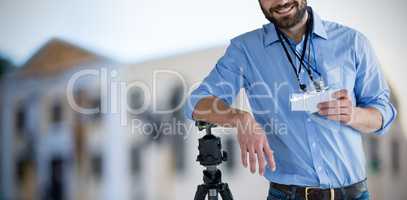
(144, 53)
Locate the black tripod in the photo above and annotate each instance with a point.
(210, 156)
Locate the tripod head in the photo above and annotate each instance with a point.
(204, 125)
(211, 155)
(210, 147)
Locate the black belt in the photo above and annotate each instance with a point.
(312, 193)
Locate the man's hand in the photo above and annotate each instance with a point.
(340, 109)
(251, 137)
(253, 144)
(365, 120)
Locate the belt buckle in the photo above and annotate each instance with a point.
(307, 189)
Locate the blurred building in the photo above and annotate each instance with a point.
(46, 146)
(49, 150)
(387, 164)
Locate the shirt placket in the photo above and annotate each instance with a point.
(312, 135)
(316, 153)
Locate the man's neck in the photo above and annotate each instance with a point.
(296, 32)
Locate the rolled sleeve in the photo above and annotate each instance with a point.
(371, 89)
(388, 115)
(224, 81)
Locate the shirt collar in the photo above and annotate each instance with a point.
(271, 34)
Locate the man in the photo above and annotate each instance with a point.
(308, 155)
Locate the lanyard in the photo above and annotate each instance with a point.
(307, 66)
(297, 73)
(307, 62)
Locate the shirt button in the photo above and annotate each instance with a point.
(313, 145)
(319, 168)
(309, 120)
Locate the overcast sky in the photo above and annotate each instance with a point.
(136, 30)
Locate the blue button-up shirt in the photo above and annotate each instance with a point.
(309, 149)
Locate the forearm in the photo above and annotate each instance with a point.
(366, 120)
(214, 110)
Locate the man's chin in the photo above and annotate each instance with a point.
(286, 23)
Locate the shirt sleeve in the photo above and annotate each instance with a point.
(224, 81)
(371, 89)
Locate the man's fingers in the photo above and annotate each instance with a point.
(260, 158)
(243, 152)
(334, 104)
(340, 94)
(252, 160)
(335, 111)
(270, 157)
(340, 118)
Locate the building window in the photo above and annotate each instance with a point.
(56, 187)
(374, 156)
(56, 113)
(136, 98)
(230, 147)
(21, 170)
(96, 103)
(20, 120)
(90, 101)
(135, 160)
(97, 166)
(179, 152)
(395, 156)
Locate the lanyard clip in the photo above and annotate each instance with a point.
(319, 85)
(303, 87)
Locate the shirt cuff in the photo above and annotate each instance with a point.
(388, 113)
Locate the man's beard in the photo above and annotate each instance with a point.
(289, 21)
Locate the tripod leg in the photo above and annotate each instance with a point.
(201, 192)
(213, 194)
(225, 192)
